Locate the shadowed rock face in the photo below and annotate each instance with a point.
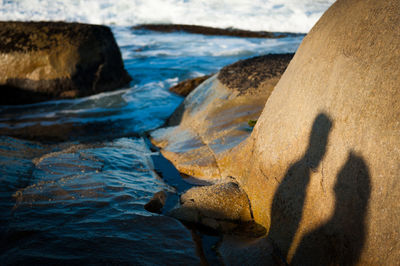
(52, 60)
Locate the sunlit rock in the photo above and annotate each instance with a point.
(52, 60)
(221, 206)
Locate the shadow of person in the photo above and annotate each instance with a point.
(341, 239)
(288, 201)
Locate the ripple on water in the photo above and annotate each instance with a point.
(84, 204)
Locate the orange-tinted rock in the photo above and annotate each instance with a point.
(221, 206)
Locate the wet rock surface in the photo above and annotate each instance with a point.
(79, 204)
(54, 60)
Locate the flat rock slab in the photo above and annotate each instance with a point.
(54, 60)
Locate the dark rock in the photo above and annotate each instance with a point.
(156, 203)
(210, 30)
(183, 88)
(247, 75)
(53, 60)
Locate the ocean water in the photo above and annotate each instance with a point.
(75, 174)
(270, 15)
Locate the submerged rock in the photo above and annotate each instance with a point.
(157, 202)
(54, 60)
(185, 87)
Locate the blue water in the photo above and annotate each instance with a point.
(76, 174)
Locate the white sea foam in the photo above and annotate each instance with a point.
(271, 15)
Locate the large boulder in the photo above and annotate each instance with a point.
(322, 165)
(53, 60)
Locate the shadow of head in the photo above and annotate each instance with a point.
(352, 191)
(318, 140)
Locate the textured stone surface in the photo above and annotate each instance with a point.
(221, 206)
(51, 60)
(321, 167)
(247, 75)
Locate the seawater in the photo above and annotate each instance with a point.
(269, 15)
(74, 183)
